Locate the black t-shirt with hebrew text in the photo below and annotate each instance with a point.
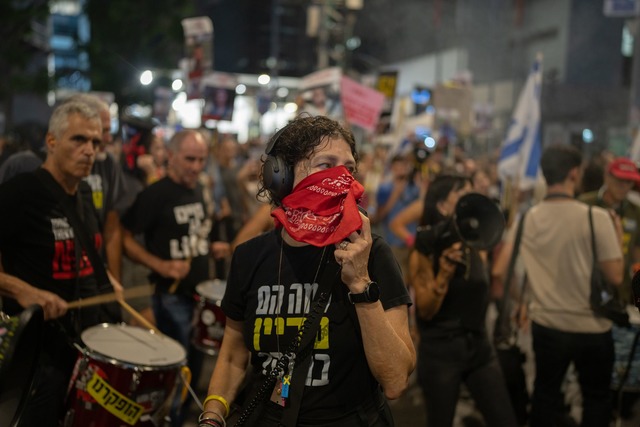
(38, 246)
(174, 222)
(339, 377)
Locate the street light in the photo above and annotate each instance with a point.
(146, 77)
(176, 85)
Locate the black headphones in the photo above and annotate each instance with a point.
(277, 175)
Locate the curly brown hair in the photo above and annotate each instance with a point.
(298, 140)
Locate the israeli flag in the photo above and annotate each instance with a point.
(522, 148)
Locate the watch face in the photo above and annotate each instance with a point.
(373, 292)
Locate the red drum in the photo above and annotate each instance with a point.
(209, 320)
(126, 376)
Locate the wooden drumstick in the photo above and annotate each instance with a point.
(139, 317)
(88, 302)
(174, 285)
(138, 291)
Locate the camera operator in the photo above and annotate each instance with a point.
(451, 284)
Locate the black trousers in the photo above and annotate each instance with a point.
(592, 356)
(447, 362)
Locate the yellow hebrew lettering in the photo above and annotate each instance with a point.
(322, 338)
(295, 322)
(97, 199)
(112, 400)
(256, 334)
(134, 411)
(121, 404)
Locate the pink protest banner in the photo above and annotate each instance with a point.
(361, 104)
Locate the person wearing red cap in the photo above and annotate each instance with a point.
(619, 179)
(362, 352)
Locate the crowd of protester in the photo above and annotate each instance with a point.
(406, 188)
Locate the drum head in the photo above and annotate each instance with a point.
(20, 340)
(212, 289)
(133, 345)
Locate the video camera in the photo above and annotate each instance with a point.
(477, 222)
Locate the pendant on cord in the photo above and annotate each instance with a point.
(280, 394)
(276, 395)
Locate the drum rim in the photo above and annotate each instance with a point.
(218, 283)
(88, 353)
(99, 357)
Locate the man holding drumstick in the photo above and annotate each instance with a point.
(174, 216)
(43, 261)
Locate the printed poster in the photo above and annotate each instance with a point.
(320, 94)
(198, 38)
(362, 104)
(219, 93)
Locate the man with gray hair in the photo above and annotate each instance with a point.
(107, 186)
(43, 260)
(174, 216)
(106, 181)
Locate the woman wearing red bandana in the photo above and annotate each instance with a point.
(362, 353)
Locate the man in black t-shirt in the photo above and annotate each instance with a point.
(107, 187)
(175, 221)
(38, 248)
(106, 181)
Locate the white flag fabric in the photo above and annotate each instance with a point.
(522, 148)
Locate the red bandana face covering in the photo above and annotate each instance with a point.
(323, 208)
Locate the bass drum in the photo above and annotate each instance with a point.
(125, 376)
(20, 342)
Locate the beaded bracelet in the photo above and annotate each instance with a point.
(204, 420)
(221, 400)
(203, 415)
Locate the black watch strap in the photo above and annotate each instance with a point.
(371, 294)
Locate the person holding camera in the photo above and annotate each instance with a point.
(451, 285)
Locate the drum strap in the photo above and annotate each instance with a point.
(330, 273)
